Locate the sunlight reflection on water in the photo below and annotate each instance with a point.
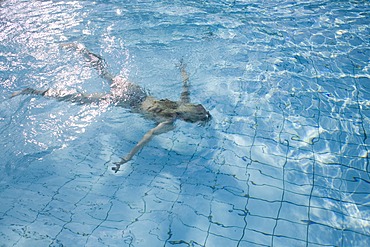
(285, 161)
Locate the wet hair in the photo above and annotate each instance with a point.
(164, 107)
(193, 113)
(188, 112)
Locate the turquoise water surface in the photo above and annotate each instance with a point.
(284, 161)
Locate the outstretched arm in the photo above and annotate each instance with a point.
(185, 95)
(159, 129)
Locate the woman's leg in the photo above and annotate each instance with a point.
(95, 61)
(121, 89)
(60, 95)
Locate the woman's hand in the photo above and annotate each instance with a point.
(118, 164)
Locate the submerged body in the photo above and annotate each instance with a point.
(128, 95)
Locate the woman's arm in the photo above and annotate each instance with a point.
(159, 129)
(185, 95)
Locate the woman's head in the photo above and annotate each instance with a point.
(188, 112)
(193, 113)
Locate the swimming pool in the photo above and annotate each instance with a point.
(284, 162)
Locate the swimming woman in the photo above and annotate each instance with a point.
(126, 94)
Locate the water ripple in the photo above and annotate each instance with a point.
(285, 161)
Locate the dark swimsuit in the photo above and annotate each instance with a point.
(128, 95)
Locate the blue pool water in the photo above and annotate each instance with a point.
(284, 162)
